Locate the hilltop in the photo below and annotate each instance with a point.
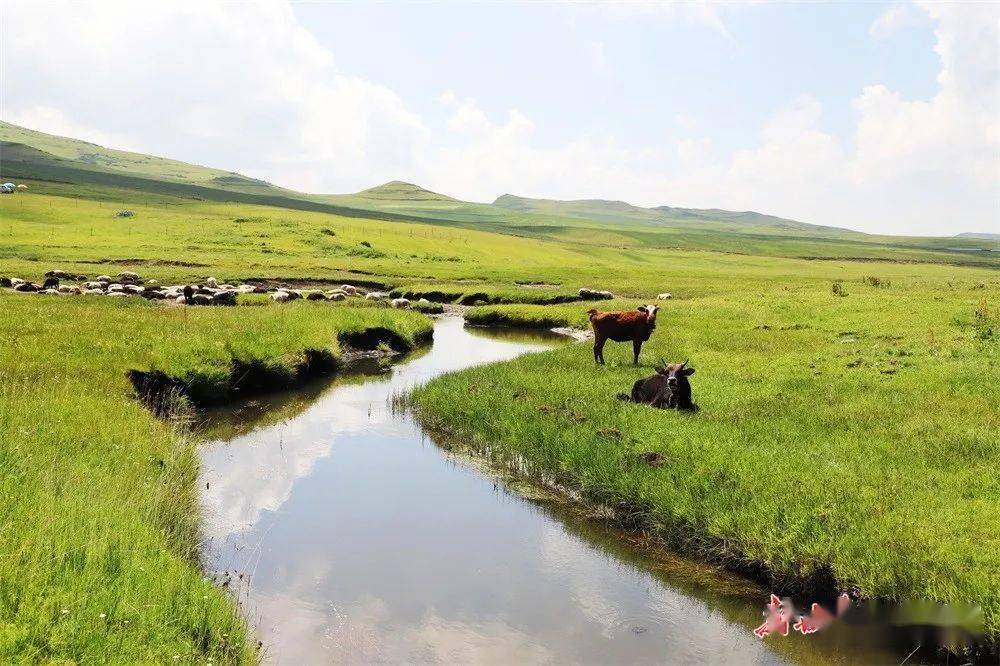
(397, 190)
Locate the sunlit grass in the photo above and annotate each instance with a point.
(100, 515)
(855, 435)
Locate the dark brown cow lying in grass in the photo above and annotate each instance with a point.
(635, 325)
(669, 388)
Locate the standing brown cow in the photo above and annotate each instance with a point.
(635, 325)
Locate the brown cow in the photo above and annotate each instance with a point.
(635, 325)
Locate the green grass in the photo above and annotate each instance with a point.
(855, 435)
(100, 519)
(70, 165)
(852, 433)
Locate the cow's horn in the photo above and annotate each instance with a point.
(685, 362)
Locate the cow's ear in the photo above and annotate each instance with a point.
(688, 371)
(642, 308)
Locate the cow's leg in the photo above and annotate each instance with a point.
(599, 349)
(636, 348)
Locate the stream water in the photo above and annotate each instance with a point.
(351, 537)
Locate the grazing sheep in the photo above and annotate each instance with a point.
(594, 294)
(49, 292)
(212, 282)
(103, 278)
(6, 282)
(349, 289)
(337, 296)
(68, 289)
(94, 292)
(669, 388)
(400, 303)
(224, 298)
(315, 295)
(132, 288)
(635, 325)
(665, 296)
(25, 287)
(117, 294)
(376, 296)
(188, 296)
(153, 294)
(201, 299)
(128, 276)
(246, 289)
(281, 297)
(62, 275)
(93, 284)
(50, 283)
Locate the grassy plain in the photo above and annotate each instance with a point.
(851, 434)
(851, 438)
(100, 519)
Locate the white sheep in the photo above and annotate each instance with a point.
(348, 289)
(375, 296)
(115, 288)
(117, 294)
(127, 276)
(664, 296)
(336, 296)
(212, 282)
(106, 279)
(94, 292)
(281, 297)
(400, 302)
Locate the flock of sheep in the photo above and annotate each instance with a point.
(128, 283)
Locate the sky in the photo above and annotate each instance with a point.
(881, 117)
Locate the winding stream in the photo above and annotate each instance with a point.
(351, 537)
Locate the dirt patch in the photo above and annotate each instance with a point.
(145, 262)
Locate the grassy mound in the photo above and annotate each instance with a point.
(846, 441)
(100, 519)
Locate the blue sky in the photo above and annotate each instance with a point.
(883, 117)
(574, 69)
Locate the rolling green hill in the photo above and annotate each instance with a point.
(63, 165)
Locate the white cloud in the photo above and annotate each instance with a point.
(243, 81)
(895, 18)
(697, 12)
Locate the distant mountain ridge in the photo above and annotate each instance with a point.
(59, 163)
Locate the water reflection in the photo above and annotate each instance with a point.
(365, 542)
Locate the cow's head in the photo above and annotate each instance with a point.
(676, 373)
(650, 312)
